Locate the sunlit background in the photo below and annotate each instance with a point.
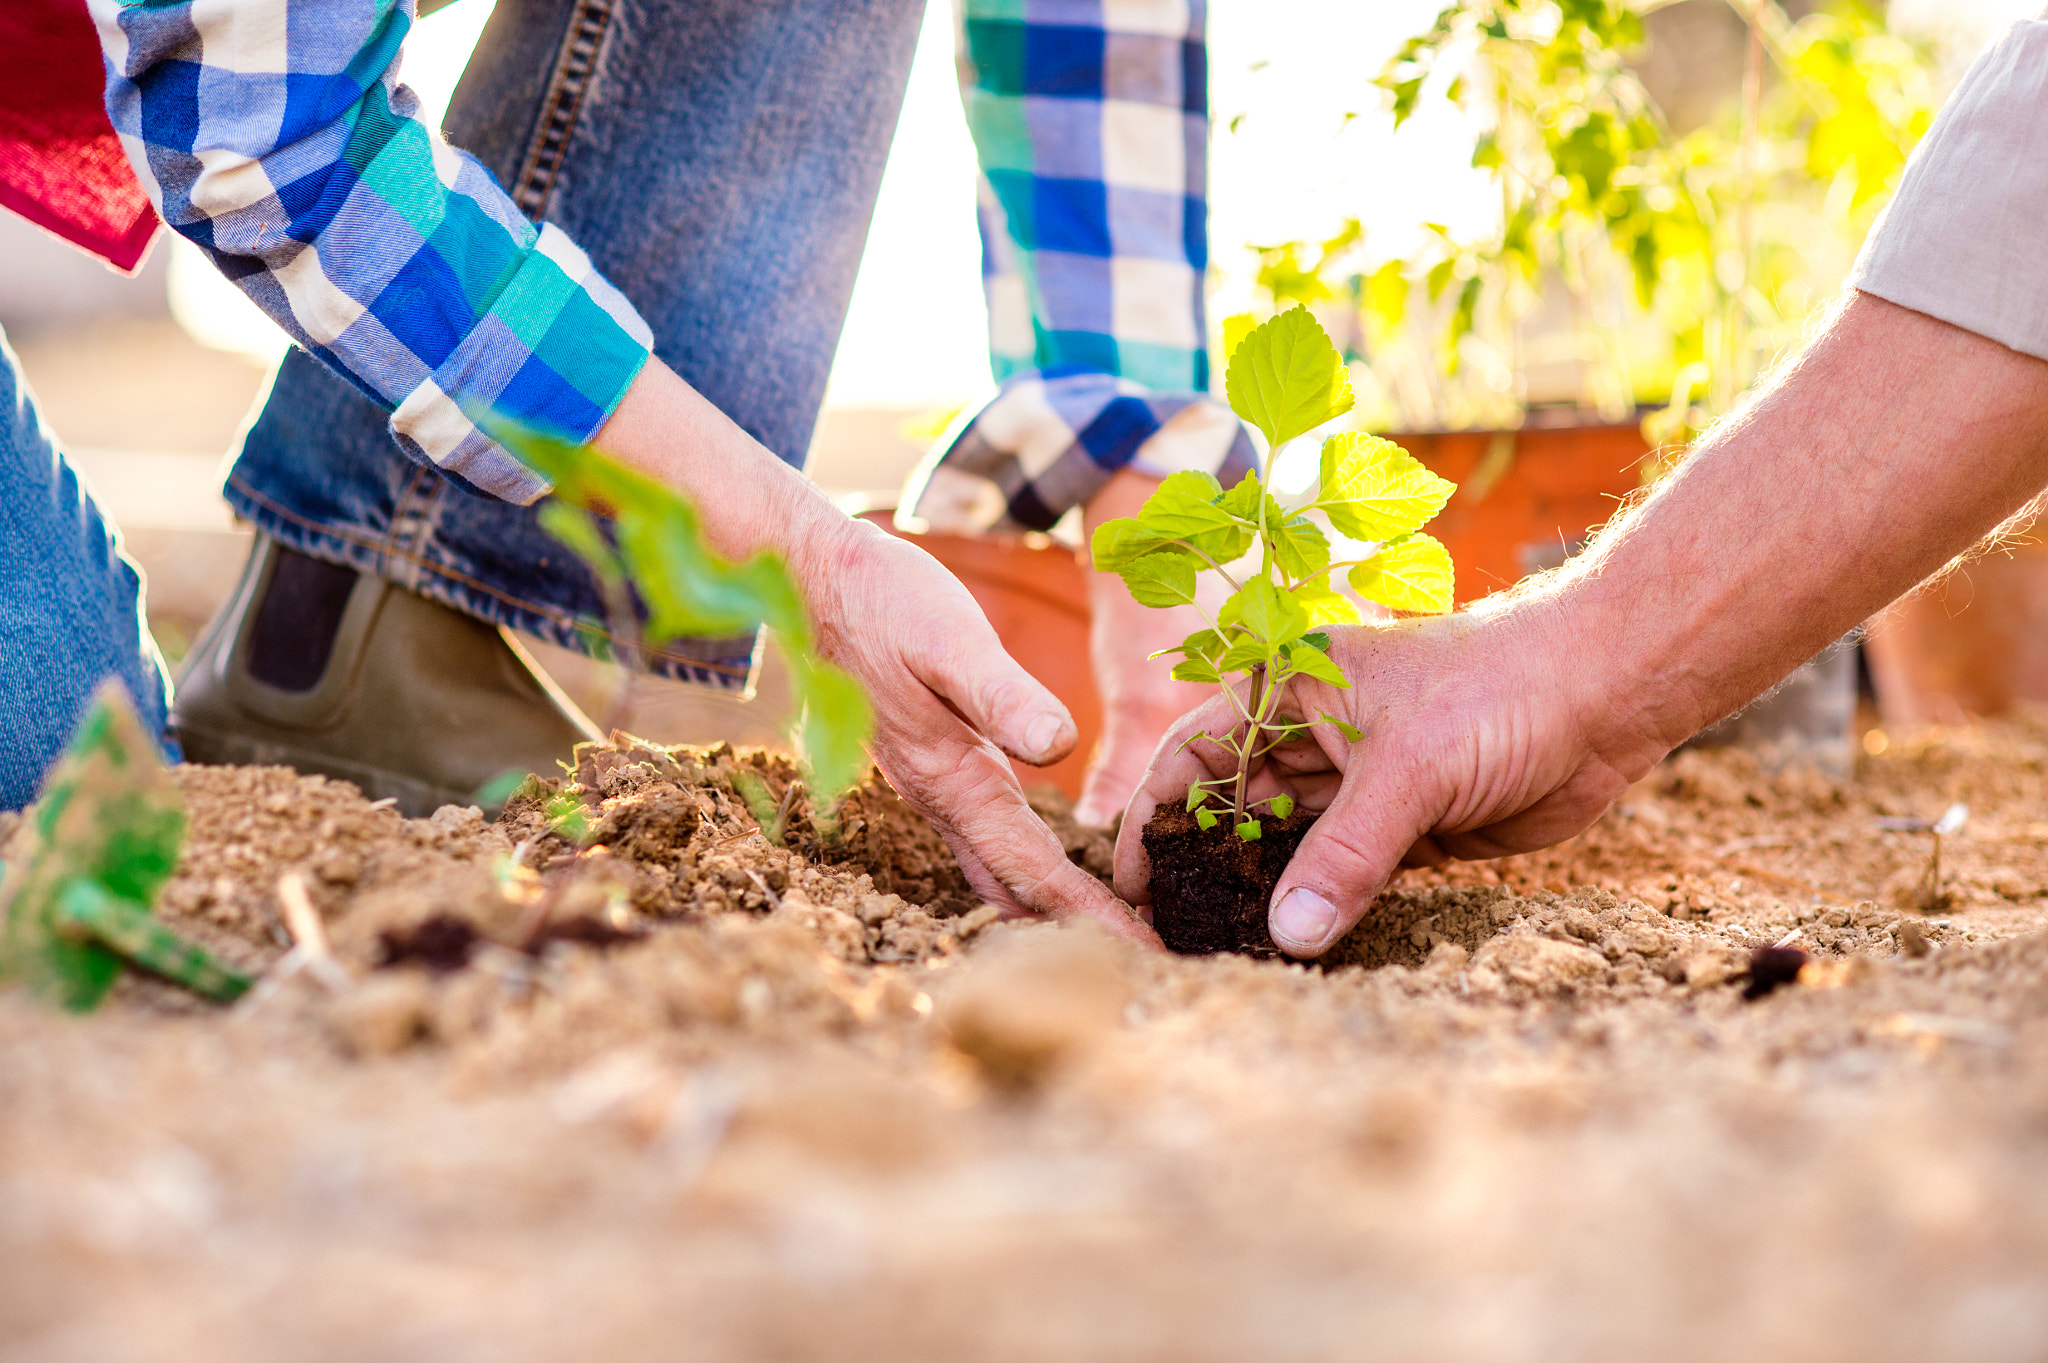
(147, 380)
(1300, 144)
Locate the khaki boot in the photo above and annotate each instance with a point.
(318, 667)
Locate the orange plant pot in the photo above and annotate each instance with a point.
(1037, 600)
(1525, 498)
(1972, 646)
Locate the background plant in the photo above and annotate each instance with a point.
(655, 548)
(1286, 378)
(1655, 266)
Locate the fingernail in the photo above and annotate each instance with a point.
(1304, 919)
(1041, 734)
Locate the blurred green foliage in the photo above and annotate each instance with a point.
(1686, 260)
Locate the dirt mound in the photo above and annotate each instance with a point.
(656, 1066)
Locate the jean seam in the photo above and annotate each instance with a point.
(572, 624)
(561, 106)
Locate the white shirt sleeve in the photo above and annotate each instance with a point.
(1965, 239)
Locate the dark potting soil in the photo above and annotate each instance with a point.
(1210, 888)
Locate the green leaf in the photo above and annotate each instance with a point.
(1299, 547)
(1281, 805)
(1196, 670)
(1196, 794)
(1286, 378)
(1161, 580)
(1326, 605)
(1118, 542)
(1242, 501)
(1244, 655)
(1185, 508)
(1372, 489)
(1313, 662)
(833, 729)
(1317, 641)
(1250, 830)
(1266, 611)
(1351, 732)
(1413, 574)
(1206, 818)
(577, 529)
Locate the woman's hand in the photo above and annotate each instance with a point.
(948, 701)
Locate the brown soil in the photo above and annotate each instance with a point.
(671, 1092)
(1211, 888)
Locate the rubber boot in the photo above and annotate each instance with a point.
(318, 667)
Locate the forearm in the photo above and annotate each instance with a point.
(749, 499)
(1893, 444)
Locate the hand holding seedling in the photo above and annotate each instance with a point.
(1894, 443)
(1286, 379)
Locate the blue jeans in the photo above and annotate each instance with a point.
(70, 602)
(719, 161)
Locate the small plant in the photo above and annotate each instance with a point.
(656, 549)
(1286, 379)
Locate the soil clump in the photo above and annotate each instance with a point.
(1211, 888)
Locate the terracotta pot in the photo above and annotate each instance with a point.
(1037, 600)
(1525, 498)
(1972, 646)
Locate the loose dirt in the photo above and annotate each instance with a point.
(614, 1077)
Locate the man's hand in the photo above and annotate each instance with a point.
(948, 701)
(1475, 745)
(1891, 445)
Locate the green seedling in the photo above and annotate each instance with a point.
(75, 905)
(656, 547)
(1286, 379)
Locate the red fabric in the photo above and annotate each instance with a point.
(61, 166)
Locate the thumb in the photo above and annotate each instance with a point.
(1347, 858)
(970, 671)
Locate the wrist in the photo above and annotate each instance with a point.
(1631, 701)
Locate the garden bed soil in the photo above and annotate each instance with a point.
(674, 1093)
(1211, 888)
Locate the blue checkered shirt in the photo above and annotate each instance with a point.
(287, 149)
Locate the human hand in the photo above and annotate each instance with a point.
(949, 703)
(1476, 743)
(948, 700)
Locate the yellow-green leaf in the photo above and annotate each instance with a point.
(1286, 378)
(1325, 604)
(1196, 670)
(1266, 611)
(1313, 662)
(1118, 542)
(1185, 508)
(1413, 574)
(1372, 489)
(1300, 547)
(1161, 580)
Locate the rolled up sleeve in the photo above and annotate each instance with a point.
(276, 136)
(1965, 239)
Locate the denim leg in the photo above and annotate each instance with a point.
(719, 161)
(70, 602)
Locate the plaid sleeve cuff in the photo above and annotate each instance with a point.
(1048, 442)
(557, 351)
(275, 134)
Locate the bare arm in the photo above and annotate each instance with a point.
(1892, 444)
